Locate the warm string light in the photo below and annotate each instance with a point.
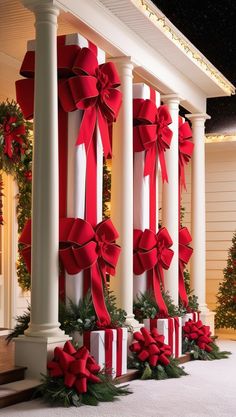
(185, 46)
(220, 138)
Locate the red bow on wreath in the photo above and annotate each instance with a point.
(77, 367)
(150, 347)
(11, 134)
(152, 134)
(198, 332)
(152, 252)
(185, 253)
(185, 149)
(83, 247)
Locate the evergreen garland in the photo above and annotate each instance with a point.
(106, 194)
(76, 317)
(16, 159)
(226, 297)
(192, 298)
(55, 392)
(145, 306)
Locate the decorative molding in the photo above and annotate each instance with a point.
(217, 138)
(170, 31)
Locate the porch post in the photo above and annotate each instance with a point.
(43, 330)
(170, 198)
(122, 190)
(198, 216)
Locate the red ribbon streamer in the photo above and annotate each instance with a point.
(150, 347)
(84, 247)
(152, 134)
(197, 331)
(185, 149)
(185, 253)
(77, 367)
(152, 252)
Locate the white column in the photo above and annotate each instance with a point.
(44, 326)
(122, 190)
(170, 198)
(198, 217)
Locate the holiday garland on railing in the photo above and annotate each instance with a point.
(16, 160)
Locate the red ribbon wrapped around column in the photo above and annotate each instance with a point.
(77, 367)
(185, 253)
(152, 252)
(185, 149)
(150, 347)
(152, 134)
(198, 332)
(84, 247)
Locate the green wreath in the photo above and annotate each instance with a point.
(16, 159)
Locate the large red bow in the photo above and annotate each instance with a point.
(83, 84)
(185, 149)
(150, 347)
(185, 253)
(152, 252)
(11, 134)
(77, 367)
(151, 133)
(198, 332)
(84, 247)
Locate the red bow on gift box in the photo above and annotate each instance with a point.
(77, 367)
(152, 134)
(185, 253)
(83, 84)
(12, 133)
(152, 252)
(200, 333)
(150, 347)
(185, 149)
(83, 247)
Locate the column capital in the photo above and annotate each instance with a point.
(122, 61)
(171, 98)
(52, 6)
(198, 117)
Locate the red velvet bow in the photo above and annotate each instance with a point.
(77, 367)
(150, 347)
(12, 134)
(83, 247)
(185, 253)
(152, 134)
(83, 84)
(152, 252)
(198, 332)
(185, 148)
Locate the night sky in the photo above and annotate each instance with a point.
(211, 27)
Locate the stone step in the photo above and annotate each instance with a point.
(14, 374)
(18, 391)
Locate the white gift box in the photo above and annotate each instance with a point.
(95, 341)
(162, 326)
(141, 189)
(190, 316)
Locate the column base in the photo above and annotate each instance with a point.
(44, 330)
(35, 352)
(208, 318)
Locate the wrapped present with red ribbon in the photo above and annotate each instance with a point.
(82, 247)
(171, 329)
(109, 348)
(145, 186)
(89, 101)
(194, 316)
